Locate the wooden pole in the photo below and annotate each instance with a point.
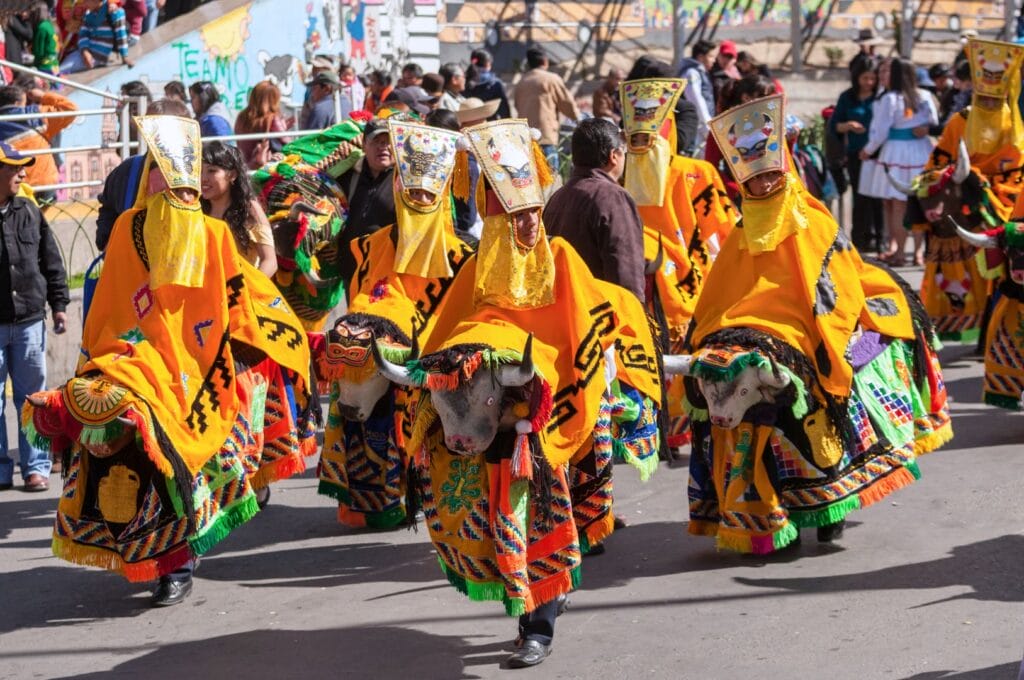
(677, 33)
(796, 35)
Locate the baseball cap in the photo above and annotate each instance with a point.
(939, 71)
(415, 98)
(10, 156)
(373, 128)
(728, 48)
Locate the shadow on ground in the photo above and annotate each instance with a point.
(990, 569)
(358, 652)
(1005, 671)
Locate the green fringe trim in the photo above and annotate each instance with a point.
(830, 514)
(645, 466)
(338, 493)
(784, 536)
(226, 520)
(484, 591)
(577, 576)
(969, 335)
(100, 435)
(303, 262)
(345, 164)
(172, 491)
(584, 546)
(914, 469)
(1002, 401)
(35, 439)
(388, 519)
(695, 413)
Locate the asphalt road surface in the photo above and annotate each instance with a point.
(925, 585)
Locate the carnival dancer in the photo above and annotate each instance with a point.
(974, 175)
(814, 379)
(190, 389)
(402, 273)
(685, 211)
(534, 376)
(1001, 259)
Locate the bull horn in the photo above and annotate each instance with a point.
(517, 376)
(678, 364)
(126, 422)
(770, 379)
(963, 164)
(299, 207)
(393, 372)
(975, 239)
(414, 349)
(654, 265)
(36, 400)
(898, 185)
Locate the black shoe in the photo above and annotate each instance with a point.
(831, 532)
(6, 486)
(531, 653)
(619, 523)
(563, 604)
(170, 593)
(595, 550)
(263, 497)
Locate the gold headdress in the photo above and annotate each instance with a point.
(647, 105)
(174, 230)
(752, 137)
(994, 66)
(512, 163)
(995, 72)
(648, 109)
(508, 273)
(176, 146)
(424, 159)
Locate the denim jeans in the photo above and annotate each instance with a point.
(23, 357)
(152, 16)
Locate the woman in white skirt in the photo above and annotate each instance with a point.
(898, 143)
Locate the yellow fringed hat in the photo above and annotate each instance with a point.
(648, 103)
(424, 155)
(752, 137)
(176, 145)
(993, 65)
(511, 161)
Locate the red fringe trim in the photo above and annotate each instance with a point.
(279, 469)
(356, 520)
(542, 411)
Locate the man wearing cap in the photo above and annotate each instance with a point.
(412, 99)
(541, 97)
(320, 114)
(31, 275)
(35, 134)
(368, 188)
(724, 69)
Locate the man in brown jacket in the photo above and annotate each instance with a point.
(594, 214)
(606, 102)
(540, 98)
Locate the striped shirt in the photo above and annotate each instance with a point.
(103, 31)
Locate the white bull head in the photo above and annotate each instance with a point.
(729, 400)
(472, 413)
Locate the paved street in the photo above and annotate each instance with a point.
(925, 585)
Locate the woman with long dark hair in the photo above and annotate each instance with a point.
(228, 196)
(852, 120)
(898, 146)
(210, 112)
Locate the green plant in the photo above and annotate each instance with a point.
(834, 55)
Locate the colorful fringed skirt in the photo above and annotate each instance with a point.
(953, 291)
(1004, 353)
(493, 539)
(754, 486)
(363, 467)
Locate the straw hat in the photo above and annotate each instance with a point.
(476, 109)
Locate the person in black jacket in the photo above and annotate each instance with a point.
(687, 117)
(31, 275)
(371, 198)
